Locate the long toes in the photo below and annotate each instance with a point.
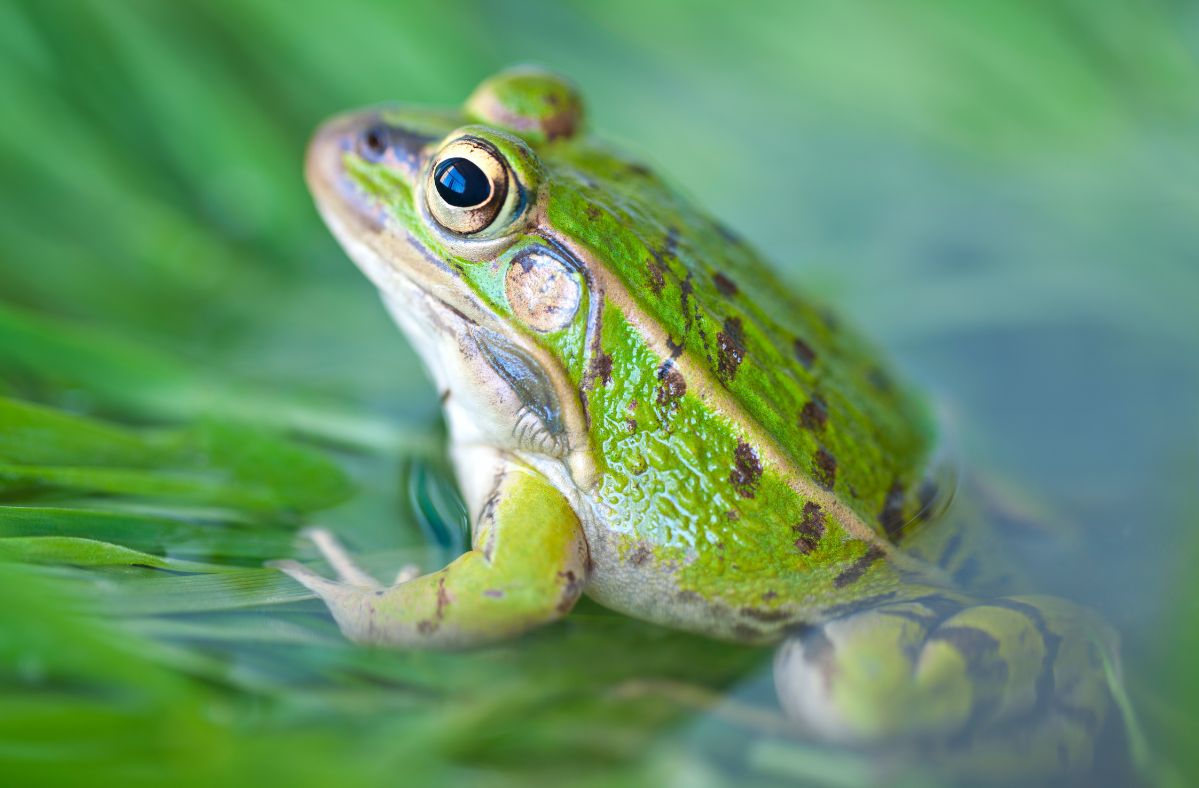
(302, 575)
(406, 573)
(339, 558)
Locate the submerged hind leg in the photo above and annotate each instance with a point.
(1020, 674)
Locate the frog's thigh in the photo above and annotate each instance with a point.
(940, 668)
(527, 567)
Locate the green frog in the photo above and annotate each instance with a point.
(639, 409)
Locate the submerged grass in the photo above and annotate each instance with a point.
(190, 372)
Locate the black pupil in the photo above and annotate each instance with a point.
(461, 183)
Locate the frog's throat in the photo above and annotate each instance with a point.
(708, 390)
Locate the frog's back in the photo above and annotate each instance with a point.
(731, 414)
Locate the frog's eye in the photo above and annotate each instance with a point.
(468, 185)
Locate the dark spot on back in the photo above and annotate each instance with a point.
(688, 597)
(726, 286)
(638, 169)
(803, 352)
(732, 515)
(657, 274)
(671, 386)
(592, 212)
(675, 348)
(730, 349)
(603, 368)
(854, 571)
(814, 415)
(809, 530)
(631, 424)
(824, 469)
(891, 516)
(747, 470)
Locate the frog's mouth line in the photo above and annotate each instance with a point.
(389, 255)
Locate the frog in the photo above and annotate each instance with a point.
(640, 409)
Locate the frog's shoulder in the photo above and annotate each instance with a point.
(819, 391)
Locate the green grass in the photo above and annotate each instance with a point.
(190, 371)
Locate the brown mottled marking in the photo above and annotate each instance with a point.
(733, 515)
(640, 554)
(810, 529)
(657, 274)
(891, 515)
(671, 386)
(730, 349)
(803, 352)
(426, 627)
(688, 597)
(726, 286)
(824, 469)
(769, 595)
(747, 470)
(814, 415)
(443, 598)
(637, 168)
(570, 592)
(854, 571)
(630, 425)
(603, 368)
(592, 212)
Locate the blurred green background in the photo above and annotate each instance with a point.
(1004, 195)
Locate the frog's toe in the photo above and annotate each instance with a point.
(318, 584)
(339, 558)
(406, 573)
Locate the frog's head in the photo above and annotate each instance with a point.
(425, 189)
(445, 211)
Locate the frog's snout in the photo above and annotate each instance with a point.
(324, 159)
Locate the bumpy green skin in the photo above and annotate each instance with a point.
(741, 534)
(745, 444)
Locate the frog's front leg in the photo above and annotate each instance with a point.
(1028, 672)
(527, 567)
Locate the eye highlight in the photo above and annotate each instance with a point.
(468, 186)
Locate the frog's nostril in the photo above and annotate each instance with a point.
(374, 142)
